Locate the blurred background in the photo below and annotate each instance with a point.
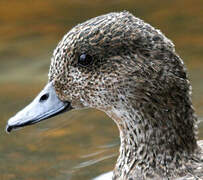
(81, 144)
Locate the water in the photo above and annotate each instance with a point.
(80, 144)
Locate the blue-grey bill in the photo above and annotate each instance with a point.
(45, 105)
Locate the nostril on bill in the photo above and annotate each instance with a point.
(44, 97)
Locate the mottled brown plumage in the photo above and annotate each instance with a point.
(141, 83)
(137, 78)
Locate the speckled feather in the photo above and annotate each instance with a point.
(137, 78)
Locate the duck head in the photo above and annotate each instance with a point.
(113, 63)
(123, 66)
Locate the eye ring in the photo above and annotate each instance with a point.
(85, 60)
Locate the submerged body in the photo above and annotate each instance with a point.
(123, 66)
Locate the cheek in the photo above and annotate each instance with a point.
(70, 90)
(70, 94)
(60, 91)
(99, 93)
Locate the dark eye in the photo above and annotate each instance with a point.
(84, 60)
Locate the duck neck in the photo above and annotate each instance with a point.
(154, 140)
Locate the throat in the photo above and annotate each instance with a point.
(152, 144)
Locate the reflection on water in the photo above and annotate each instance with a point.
(80, 144)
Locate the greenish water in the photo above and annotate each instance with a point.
(81, 144)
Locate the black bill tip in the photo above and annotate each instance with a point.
(9, 128)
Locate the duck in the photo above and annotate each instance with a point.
(121, 65)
